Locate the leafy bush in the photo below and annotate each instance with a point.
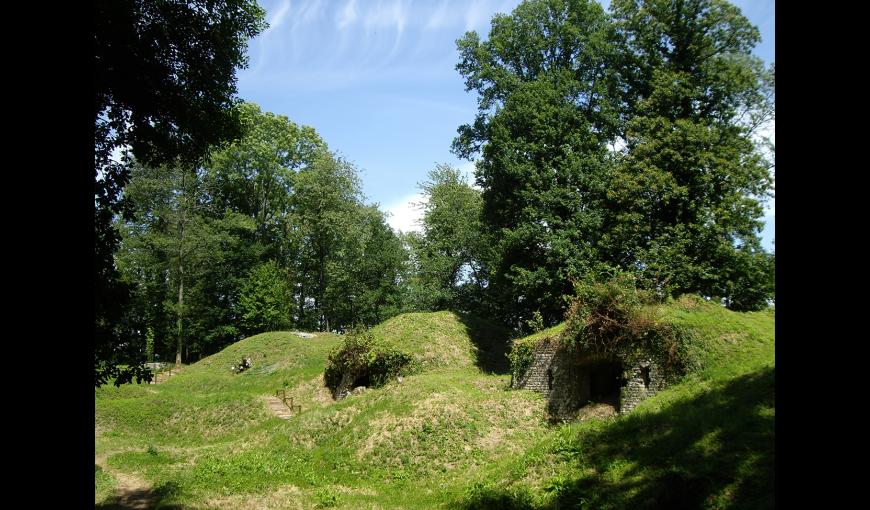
(361, 355)
(521, 356)
(614, 317)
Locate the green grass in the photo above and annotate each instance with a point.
(453, 436)
(445, 338)
(104, 485)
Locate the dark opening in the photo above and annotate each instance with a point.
(644, 372)
(362, 380)
(605, 380)
(549, 378)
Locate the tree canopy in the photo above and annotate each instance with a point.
(164, 89)
(620, 141)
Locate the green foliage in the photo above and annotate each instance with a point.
(104, 484)
(265, 299)
(686, 195)
(362, 355)
(271, 232)
(614, 317)
(448, 258)
(536, 323)
(326, 498)
(149, 344)
(521, 357)
(675, 87)
(542, 126)
(164, 87)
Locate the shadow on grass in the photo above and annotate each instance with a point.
(712, 451)
(492, 342)
(147, 498)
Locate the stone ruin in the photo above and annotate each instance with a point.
(569, 381)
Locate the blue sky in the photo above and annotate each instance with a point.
(376, 79)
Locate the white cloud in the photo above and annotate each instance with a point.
(311, 12)
(405, 215)
(276, 20)
(438, 18)
(390, 15)
(348, 15)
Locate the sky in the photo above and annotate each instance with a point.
(377, 80)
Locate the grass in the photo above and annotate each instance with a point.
(104, 485)
(452, 436)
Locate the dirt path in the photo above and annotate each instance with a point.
(131, 492)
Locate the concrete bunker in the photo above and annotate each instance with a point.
(571, 380)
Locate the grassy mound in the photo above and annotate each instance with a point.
(706, 442)
(452, 436)
(443, 338)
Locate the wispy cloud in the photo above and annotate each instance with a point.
(348, 15)
(438, 18)
(277, 19)
(393, 14)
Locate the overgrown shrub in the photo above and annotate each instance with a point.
(521, 356)
(361, 355)
(614, 317)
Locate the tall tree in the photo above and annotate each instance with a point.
(451, 271)
(687, 192)
(364, 286)
(326, 198)
(185, 259)
(254, 175)
(164, 89)
(266, 299)
(546, 113)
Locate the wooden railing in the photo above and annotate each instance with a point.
(282, 394)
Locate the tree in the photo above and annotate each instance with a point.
(266, 299)
(326, 198)
(184, 260)
(546, 113)
(561, 87)
(164, 87)
(255, 174)
(364, 286)
(686, 197)
(449, 254)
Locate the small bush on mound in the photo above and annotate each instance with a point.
(614, 317)
(362, 357)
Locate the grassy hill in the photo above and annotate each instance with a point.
(452, 436)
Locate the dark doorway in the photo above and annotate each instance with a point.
(605, 380)
(362, 380)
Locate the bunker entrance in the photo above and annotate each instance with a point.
(605, 381)
(361, 380)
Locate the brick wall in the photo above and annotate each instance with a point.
(645, 380)
(565, 380)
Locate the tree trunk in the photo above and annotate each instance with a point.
(180, 277)
(320, 291)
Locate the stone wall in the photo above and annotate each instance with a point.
(645, 380)
(565, 380)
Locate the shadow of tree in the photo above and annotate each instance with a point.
(715, 450)
(492, 342)
(148, 498)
